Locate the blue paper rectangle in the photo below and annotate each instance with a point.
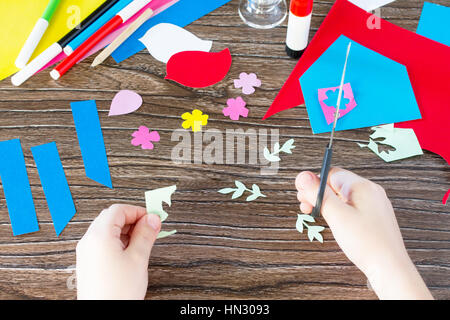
(90, 139)
(54, 183)
(181, 14)
(435, 23)
(16, 187)
(381, 87)
(108, 15)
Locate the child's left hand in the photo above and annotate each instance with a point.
(113, 255)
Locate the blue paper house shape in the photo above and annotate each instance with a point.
(381, 87)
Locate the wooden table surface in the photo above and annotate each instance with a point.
(224, 248)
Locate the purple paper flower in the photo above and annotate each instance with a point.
(247, 82)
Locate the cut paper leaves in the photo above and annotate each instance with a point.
(404, 141)
(236, 108)
(328, 100)
(197, 69)
(124, 102)
(195, 120)
(286, 148)
(154, 200)
(247, 82)
(240, 189)
(166, 39)
(382, 88)
(314, 232)
(144, 138)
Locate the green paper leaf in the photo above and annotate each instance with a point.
(252, 197)
(276, 148)
(226, 190)
(306, 217)
(239, 185)
(270, 157)
(299, 224)
(314, 233)
(238, 193)
(288, 146)
(154, 200)
(164, 234)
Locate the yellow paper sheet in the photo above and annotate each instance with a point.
(18, 17)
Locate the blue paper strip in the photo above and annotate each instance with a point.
(435, 23)
(108, 15)
(90, 139)
(381, 86)
(181, 14)
(54, 183)
(16, 187)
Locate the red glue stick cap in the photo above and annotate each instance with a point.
(301, 8)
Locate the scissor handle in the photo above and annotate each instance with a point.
(323, 181)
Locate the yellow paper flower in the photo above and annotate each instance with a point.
(195, 120)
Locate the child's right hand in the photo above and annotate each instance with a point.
(363, 223)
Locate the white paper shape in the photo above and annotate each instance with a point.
(370, 5)
(166, 39)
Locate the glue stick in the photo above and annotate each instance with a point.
(298, 27)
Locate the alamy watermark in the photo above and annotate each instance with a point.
(232, 146)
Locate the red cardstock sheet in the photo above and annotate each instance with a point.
(427, 62)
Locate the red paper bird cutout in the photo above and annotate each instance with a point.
(427, 62)
(198, 69)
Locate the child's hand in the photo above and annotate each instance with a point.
(363, 223)
(113, 255)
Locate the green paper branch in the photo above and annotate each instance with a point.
(154, 200)
(314, 232)
(240, 189)
(286, 148)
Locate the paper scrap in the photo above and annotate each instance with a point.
(154, 200)
(181, 14)
(434, 23)
(328, 104)
(382, 87)
(90, 139)
(314, 232)
(370, 5)
(195, 120)
(240, 189)
(247, 82)
(198, 69)
(124, 102)
(286, 148)
(144, 138)
(236, 108)
(403, 140)
(54, 183)
(17, 19)
(445, 198)
(166, 39)
(16, 187)
(430, 83)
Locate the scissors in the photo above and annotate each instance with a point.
(329, 150)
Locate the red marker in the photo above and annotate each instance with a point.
(298, 27)
(125, 14)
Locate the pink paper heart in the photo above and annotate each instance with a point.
(125, 101)
(330, 111)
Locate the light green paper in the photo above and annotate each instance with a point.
(403, 140)
(314, 232)
(286, 148)
(154, 201)
(240, 189)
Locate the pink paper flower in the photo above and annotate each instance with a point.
(144, 138)
(236, 108)
(247, 82)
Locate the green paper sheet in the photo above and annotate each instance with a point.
(403, 140)
(154, 200)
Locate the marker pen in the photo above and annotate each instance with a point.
(298, 27)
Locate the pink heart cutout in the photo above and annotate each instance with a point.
(124, 102)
